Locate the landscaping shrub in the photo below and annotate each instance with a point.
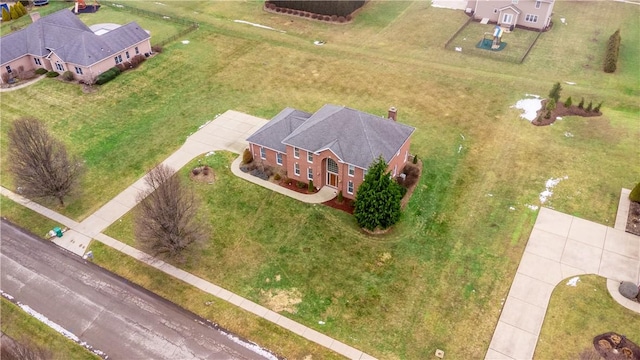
(334, 18)
(271, 6)
(300, 184)
(294, 12)
(259, 174)
(137, 60)
(5, 78)
(311, 188)
(597, 108)
(548, 114)
(107, 76)
(52, 74)
(247, 157)
(412, 175)
(156, 49)
(613, 50)
(278, 9)
(567, 103)
(341, 19)
(68, 76)
(277, 177)
(635, 193)
(349, 17)
(555, 92)
(196, 171)
(590, 106)
(326, 7)
(340, 197)
(378, 198)
(415, 159)
(581, 104)
(41, 71)
(314, 16)
(5, 15)
(551, 104)
(307, 15)
(327, 18)
(14, 13)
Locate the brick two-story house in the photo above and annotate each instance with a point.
(333, 147)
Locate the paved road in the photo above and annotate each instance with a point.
(106, 311)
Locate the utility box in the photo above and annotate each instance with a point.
(57, 231)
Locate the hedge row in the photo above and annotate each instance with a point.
(334, 18)
(327, 7)
(108, 75)
(613, 50)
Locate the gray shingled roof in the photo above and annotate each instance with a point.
(281, 126)
(357, 138)
(63, 33)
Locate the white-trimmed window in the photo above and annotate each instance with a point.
(296, 153)
(37, 61)
(350, 187)
(8, 69)
(279, 158)
(118, 59)
(296, 169)
(263, 153)
(310, 173)
(531, 18)
(352, 170)
(78, 70)
(137, 51)
(309, 157)
(507, 18)
(364, 173)
(538, 4)
(59, 67)
(127, 54)
(395, 170)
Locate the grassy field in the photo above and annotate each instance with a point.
(578, 314)
(435, 281)
(20, 326)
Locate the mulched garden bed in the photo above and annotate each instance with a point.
(633, 220)
(612, 346)
(561, 111)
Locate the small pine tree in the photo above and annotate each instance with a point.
(340, 197)
(634, 195)
(590, 106)
(378, 198)
(14, 13)
(551, 104)
(23, 10)
(555, 92)
(597, 108)
(581, 104)
(18, 10)
(415, 159)
(567, 102)
(5, 15)
(311, 188)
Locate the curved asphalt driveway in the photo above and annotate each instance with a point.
(102, 309)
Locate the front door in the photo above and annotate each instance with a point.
(332, 173)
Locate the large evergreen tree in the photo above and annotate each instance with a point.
(378, 198)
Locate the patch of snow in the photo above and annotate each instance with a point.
(511, 208)
(563, 20)
(166, 17)
(568, 134)
(258, 25)
(558, 117)
(321, 322)
(459, 149)
(159, 3)
(185, 42)
(549, 185)
(529, 106)
(117, 5)
(251, 346)
(573, 281)
(489, 195)
(532, 207)
(318, 42)
(210, 153)
(4, 294)
(449, 4)
(462, 136)
(459, 48)
(569, 83)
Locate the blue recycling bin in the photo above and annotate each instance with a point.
(58, 231)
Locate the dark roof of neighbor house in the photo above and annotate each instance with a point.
(69, 38)
(357, 138)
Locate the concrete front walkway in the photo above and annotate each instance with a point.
(227, 132)
(560, 246)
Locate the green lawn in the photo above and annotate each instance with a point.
(437, 279)
(24, 328)
(578, 314)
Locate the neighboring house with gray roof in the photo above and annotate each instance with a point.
(530, 14)
(333, 147)
(61, 42)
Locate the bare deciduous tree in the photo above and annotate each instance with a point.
(39, 162)
(166, 221)
(11, 349)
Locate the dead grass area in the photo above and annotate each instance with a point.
(203, 174)
(282, 300)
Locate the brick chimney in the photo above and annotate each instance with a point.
(393, 113)
(34, 16)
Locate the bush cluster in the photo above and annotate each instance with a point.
(52, 74)
(634, 195)
(108, 75)
(68, 76)
(326, 7)
(613, 50)
(247, 157)
(15, 11)
(41, 71)
(291, 7)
